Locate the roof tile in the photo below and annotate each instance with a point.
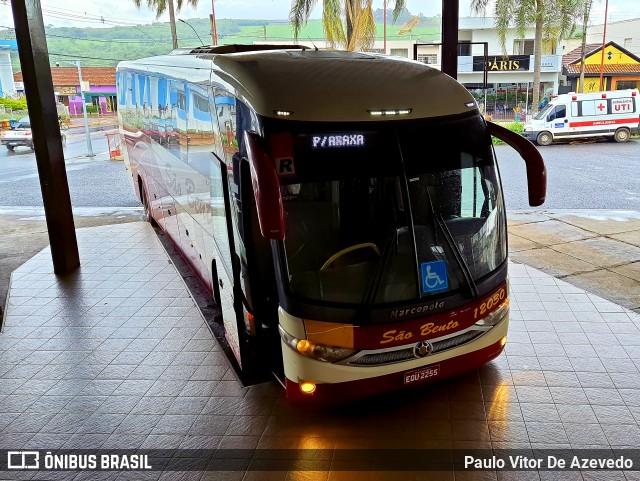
(68, 76)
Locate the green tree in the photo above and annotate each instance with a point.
(356, 31)
(160, 6)
(552, 19)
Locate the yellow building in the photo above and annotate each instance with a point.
(620, 68)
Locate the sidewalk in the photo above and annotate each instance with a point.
(597, 250)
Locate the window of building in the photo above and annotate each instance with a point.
(182, 100)
(627, 84)
(627, 43)
(400, 52)
(200, 103)
(464, 49)
(429, 59)
(523, 47)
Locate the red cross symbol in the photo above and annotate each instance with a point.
(601, 107)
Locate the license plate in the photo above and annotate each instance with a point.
(422, 374)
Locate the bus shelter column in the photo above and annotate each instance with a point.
(34, 59)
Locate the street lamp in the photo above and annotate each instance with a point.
(194, 30)
(84, 107)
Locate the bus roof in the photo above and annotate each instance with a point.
(317, 85)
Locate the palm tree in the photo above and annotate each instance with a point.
(160, 6)
(360, 31)
(552, 20)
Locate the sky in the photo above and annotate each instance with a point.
(79, 13)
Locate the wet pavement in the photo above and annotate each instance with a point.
(598, 250)
(118, 356)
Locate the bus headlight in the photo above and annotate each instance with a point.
(312, 350)
(496, 316)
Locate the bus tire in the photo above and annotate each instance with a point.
(146, 212)
(544, 138)
(622, 135)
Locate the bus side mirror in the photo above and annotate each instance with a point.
(266, 188)
(536, 171)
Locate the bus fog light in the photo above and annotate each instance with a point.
(307, 387)
(503, 341)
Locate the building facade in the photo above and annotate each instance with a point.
(7, 84)
(625, 33)
(509, 75)
(99, 88)
(620, 68)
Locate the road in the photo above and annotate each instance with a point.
(600, 175)
(93, 182)
(596, 175)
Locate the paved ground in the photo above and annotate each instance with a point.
(118, 356)
(23, 233)
(598, 250)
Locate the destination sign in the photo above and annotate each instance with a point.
(336, 141)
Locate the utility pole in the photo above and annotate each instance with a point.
(84, 106)
(604, 41)
(84, 113)
(385, 26)
(214, 31)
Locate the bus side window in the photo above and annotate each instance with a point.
(204, 135)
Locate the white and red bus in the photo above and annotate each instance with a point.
(344, 210)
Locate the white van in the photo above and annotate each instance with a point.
(612, 114)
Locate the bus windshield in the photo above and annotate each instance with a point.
(394, 221)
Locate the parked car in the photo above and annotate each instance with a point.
(20, 134)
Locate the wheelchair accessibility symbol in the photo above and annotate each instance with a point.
(434, 276)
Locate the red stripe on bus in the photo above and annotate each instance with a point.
(400, 332)
(594, 123)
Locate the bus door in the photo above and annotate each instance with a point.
(245, 268)
(223, 277)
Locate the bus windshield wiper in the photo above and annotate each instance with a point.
(464, 268)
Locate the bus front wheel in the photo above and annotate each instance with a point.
(621, 135)
(544, 138)
(146, 212)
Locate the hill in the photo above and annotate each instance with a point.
(107, 46)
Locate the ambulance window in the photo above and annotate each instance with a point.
(574, 109)
(561, 111)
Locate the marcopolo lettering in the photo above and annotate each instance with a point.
(401, 313)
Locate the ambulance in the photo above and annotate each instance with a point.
(613, 115)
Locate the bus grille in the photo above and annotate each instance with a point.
(404, 354)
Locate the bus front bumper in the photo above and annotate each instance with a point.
(359, 382)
